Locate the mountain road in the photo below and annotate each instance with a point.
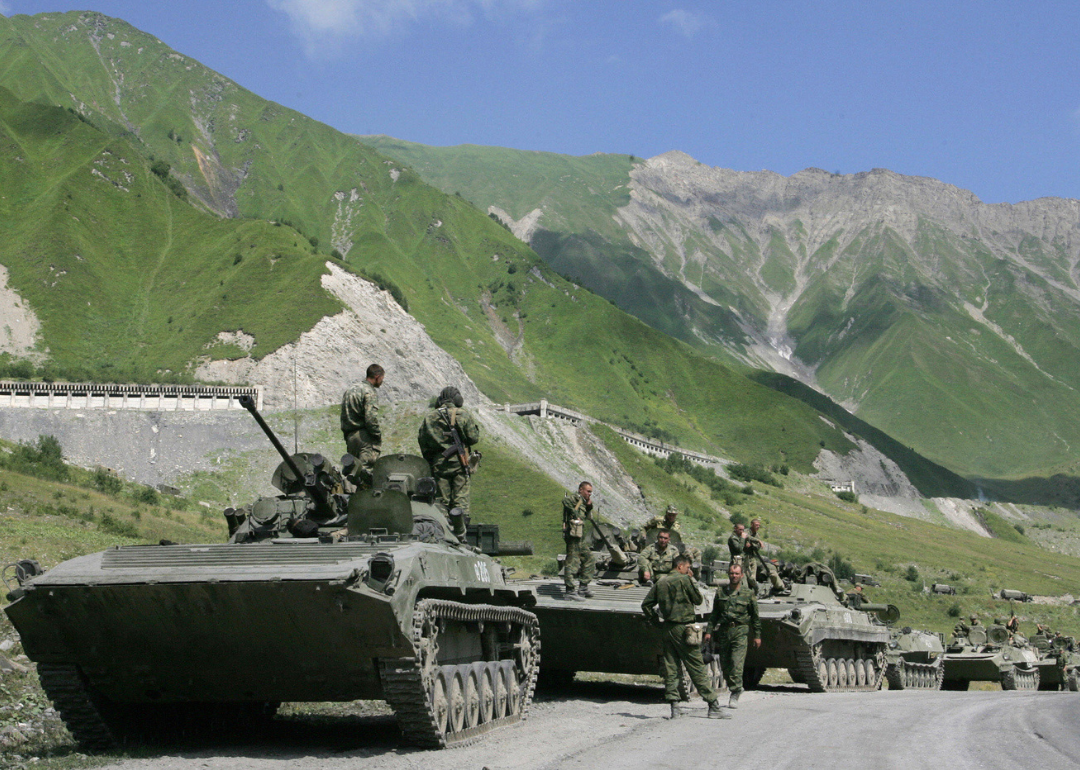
(598, 725)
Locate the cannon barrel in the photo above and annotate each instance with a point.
(516, 548)
(886, 613)
(314, 491)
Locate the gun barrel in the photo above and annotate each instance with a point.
(314, 491)
(516, 548)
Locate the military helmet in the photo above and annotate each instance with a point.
(450, 395)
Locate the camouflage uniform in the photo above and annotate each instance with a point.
(360, 424)
(661, 522)
(434, 437)
(734, 619)
(678, 596)
(656, 563)
(580, 562)
(741, 556)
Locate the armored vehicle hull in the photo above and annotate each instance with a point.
(914, 660)
(822, 643)
(321, 595)
(987, 656)
(1059, 668)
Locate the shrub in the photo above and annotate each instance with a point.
(44, 459)
(738, 518)
(147, 495)
(116, 527)
(748, 473)
(848, 497)
(106, 482)
(912, 573)
(841, 567)
(955, 610)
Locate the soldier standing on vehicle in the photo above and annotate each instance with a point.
(580, 563)
(657, 559)
(677, 596)
(445, 436)
(734, 620)
(360, 422)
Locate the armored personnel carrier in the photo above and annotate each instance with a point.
(813, 630)
(914, 660)
(606, 633)
(978, 654)
(319, 596)
(1059, 667)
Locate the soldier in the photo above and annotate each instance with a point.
(360, 423)
(580, 562)
(657, 559)
(668, 521)
(450, 467)
(677, 596)
(753, 551)
(1013, 624)
(734, 618)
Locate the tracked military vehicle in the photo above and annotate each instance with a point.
(1059, 667)
(978, 654)
(319, 596)
(914, 660)
(811, 629)
(606, 633)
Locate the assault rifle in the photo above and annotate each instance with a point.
(468, 463)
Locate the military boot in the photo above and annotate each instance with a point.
(572, 594)
(585, 591)
(676, 710)
(733, 701)
(716, 711)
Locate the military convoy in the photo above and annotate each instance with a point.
(326, 595)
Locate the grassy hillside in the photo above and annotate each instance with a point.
(521, 331)
(126, 277)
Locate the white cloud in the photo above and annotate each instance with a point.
(330, 22)
(685, 23)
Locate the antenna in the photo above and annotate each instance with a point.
(296, 412)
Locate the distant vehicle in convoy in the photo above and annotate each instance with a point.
(1015, 596)
(914, 660)
(318, 596)
(989, 655)
(606, 633)
(813, 629)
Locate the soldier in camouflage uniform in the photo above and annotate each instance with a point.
(670, 521)
(733, 620)
(677, 596)
(657, 559)
(580, 563)
(451, 471)
(753, 551)
(360, 423)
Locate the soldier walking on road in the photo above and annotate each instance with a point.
(734, 620)
(449, 459)
(677, 596)
(580, 562)
(360, 423)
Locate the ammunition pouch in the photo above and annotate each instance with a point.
(576, 528)
(695, 634)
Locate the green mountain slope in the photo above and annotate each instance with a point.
(127, 278)
(521, 331)
(952, 325)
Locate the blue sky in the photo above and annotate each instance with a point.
(983, 95)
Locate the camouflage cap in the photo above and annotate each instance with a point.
(671, 509)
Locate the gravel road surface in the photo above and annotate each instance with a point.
(600, 725)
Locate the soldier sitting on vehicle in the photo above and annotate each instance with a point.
(657, 559)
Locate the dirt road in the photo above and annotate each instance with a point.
(597, 725)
